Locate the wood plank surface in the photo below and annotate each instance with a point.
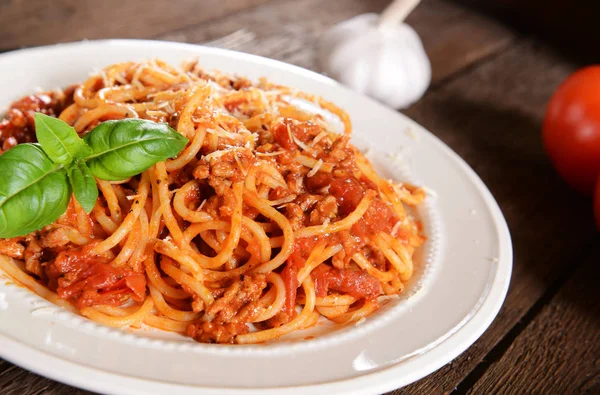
(559, 351)
(487, 101)
(572, 25)
(491, 116)
(453, 36)
(40, 22)
(17, 381)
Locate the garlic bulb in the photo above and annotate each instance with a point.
(385, 62)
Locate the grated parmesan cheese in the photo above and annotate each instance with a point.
(239, 163)
(283, 200)
(430, 191)
(156, 113)
(221, 132)
(169, 109)
(315, 169)
(289, 130)
(412, 134)
(132, 197)
(138, 84)
(135, 81)
(218, 154)
(312, 162)
(366, 151)
(185, 77)
(120, 78)
(301, 144)
(324, 190)
(270, 153)
(238, 114)
(319, 137)
(105, 80)
(396, 157)
(396, 228)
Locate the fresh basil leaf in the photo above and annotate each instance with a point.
(58, 139)
(34, 195)
(83, 185)
(127, 147)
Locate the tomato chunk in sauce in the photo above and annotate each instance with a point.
(356, 283)
(349, 191)
(289, 274)
(285, 131)
(379, 217)
(90, 280)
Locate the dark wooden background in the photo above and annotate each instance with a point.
(491, 82)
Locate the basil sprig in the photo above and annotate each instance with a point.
(83, 185)
(59, 140)
(36, 180)
(121, 149)
(34, 191)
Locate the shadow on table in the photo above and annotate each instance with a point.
(570, 26)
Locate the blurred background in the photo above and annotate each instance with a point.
(495, 65)
(569, 25)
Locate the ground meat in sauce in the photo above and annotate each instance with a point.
(18, 124)
(13, 248)
(328, 196)
(231, 167)
(88, 280)
(212, 332)
(239, 294)
(225, 318)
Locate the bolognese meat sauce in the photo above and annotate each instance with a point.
(314, 181)
(18, 125)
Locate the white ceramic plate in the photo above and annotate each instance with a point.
(467, 264)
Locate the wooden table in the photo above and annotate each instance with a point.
(490, 87)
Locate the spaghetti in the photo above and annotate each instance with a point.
(266, 222)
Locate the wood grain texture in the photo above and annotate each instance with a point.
(489, 94)
(559, 351)
(572, 25)
(453, 36)
(17, 381)
(40, 22)
(491, 116)
(284, 30)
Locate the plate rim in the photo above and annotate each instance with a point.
(383, 379)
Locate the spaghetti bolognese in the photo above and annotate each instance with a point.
(268, 219)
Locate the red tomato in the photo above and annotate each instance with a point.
(597, 203)
(571, 130)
